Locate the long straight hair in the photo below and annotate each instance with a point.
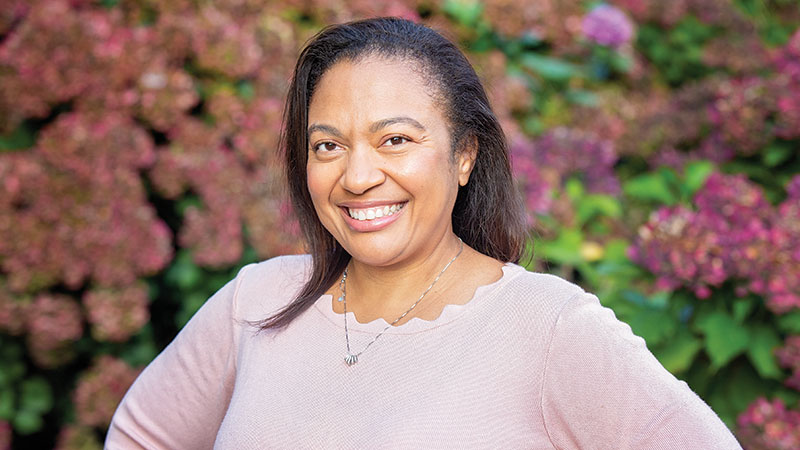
(488, 214)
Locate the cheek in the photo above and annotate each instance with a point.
(319, 184)
(435, 171)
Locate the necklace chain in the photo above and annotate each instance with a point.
(351, 357)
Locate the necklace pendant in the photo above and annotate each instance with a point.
(351, 359)
(340, 299)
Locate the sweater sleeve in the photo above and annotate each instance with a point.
(180, 399)
(603, 389)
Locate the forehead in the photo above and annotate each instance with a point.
(373, 87)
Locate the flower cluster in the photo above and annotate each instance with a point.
(100, 389)
(734, 233)
(77, 210)
(787, 60)
(77, 437)
(116, 313)
(607, 25)
(663, 124)
(547, 162)
(5, 435)
(553, 20)
(13, 311)
(54, 323)
(719, 118)
(739, 114)
(769, 425)
(225, 44)
(789, 358)
(713, 12)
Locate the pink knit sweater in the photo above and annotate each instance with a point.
(531, 361)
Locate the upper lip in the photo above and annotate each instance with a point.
(363, 204)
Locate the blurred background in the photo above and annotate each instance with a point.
(657, 144)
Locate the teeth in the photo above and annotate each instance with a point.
(374, 213)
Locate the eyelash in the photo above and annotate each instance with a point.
(405, 140)
(317, 146)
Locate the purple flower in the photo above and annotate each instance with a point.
(607, 25)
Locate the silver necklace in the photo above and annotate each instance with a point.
(352, 358)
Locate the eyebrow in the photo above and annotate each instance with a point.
(393, 120)
(375, 126)
(325, 129)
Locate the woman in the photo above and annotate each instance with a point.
(410, 325)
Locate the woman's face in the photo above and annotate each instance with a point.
(380, 171)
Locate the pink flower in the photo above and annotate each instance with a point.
(607, 25)
(54, 324)
(100, 389)
(117, 313)
(769, 425)
(77, 437)
(5, 435)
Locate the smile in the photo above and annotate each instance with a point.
(374, 213)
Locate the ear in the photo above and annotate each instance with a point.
(466, 160)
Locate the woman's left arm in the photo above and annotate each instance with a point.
(603, 388)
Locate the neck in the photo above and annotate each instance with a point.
(387, 292)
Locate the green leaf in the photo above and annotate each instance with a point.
(574, 189)
(790, 322)
(649, 187)
(10, 371)
(190, 304)
(725, 338)
(566, 249)
(777, 153)
(184, 273)
(677, 354)
(761, 351)
(27, 422)
(20, 138)
(36, 395)
(696, 174)
(620, 63)
(7, 399)
(582, 97)
(464, 12)
(734, 389)
(617, 250)
(653, 325)
(550, 68)
(593, 205)
(742, 307)
(245, 90)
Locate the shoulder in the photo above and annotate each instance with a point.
(286, 267)
(538, 293)
(266, 286)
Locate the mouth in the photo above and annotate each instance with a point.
(377, 212)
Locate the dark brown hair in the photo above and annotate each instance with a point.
(488, 213)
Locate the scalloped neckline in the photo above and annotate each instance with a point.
(449, 313)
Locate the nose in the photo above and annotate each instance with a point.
(363, 172)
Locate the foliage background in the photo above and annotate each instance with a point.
(657, 143)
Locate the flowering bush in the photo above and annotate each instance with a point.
(656, 144)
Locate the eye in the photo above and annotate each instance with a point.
(396, 140)
(326, 146)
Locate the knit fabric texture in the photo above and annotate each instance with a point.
(531, 361)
